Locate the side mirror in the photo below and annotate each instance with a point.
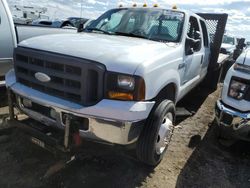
(189, 47)
(197, 44)
(189, 51)
(192, 45)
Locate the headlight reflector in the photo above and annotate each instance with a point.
(126, 82)
(237, 89)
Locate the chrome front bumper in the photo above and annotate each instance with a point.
(235, 122)
(99, 130)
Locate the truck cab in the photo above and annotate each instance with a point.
(118, 81)
(8, 41)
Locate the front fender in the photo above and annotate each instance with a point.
(158, 78)
(160, 71)
(155, 84)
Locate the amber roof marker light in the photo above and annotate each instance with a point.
(120, 4)
(134, 5)
(174, 7)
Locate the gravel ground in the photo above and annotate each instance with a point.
(194, 158)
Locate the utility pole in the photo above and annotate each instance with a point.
(81, 8)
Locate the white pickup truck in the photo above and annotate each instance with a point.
(233, 109)
(118, 81)
(229, 44)
(11, 35)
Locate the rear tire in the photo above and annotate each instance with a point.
(156, 135)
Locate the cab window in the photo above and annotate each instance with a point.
(194, 30)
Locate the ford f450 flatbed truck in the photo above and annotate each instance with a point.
(118, 81)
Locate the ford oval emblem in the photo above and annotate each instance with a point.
(42, 77)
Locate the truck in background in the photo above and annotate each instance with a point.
(229, 44)
(27, 14)
(11, 35)
(117, 82)
(233, 109)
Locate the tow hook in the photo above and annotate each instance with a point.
(71, 131)
(71, 134)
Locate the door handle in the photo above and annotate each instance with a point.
(201, 59)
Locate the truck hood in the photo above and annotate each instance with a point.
(244, 58)
(117, 53)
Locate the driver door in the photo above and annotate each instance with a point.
(194, 52)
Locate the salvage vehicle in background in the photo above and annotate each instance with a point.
(233, 109)
(73, 22)
(11, 35)
(117, 82)
(229, 44)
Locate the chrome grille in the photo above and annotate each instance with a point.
(74, 79)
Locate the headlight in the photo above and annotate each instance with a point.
(124, 87)
(237, 89)
(242, 68)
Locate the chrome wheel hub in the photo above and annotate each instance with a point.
(164, 134)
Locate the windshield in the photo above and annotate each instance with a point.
(152, 24)
(228, 40)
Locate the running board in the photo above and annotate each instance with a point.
(183, 112)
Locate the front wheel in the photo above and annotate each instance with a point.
(156, 135)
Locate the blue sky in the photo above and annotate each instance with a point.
(238, 10)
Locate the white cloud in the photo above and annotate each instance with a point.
(91, 1)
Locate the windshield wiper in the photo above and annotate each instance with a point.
(130, 35)
(96, 29)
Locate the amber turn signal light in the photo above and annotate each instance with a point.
(120, 95)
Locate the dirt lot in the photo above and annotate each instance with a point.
(194, 159)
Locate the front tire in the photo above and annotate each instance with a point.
(156, 135)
